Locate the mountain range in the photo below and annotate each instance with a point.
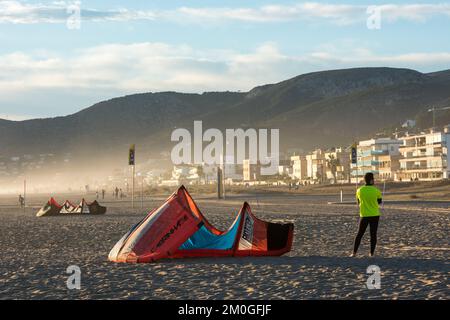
(317, 109)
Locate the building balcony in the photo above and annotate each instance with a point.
(418, 145)
(421, 157)
(422, 169)
(417, 171)
(366, 163)
(366, 153)
(421, 145)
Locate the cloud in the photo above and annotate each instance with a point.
(336, 13)
(127, 68)
(311, 12)
(18, 12)
(414, 12)
(32, 82)
(136, 67)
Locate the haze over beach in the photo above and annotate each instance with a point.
(116, 106)
(318, 110)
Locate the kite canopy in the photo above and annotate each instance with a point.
(83, 207)
(67, 208)
(96, 208)
(178, 229)
(52, 208)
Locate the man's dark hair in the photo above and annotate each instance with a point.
(368, 177)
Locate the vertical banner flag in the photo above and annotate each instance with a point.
(131, 154)
(354, 154)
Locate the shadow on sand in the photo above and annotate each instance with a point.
(337, 262)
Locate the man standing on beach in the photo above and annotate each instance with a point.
(369, 198)
(21, 201)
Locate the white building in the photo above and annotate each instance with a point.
(409, 124)
(374, 154)
(251, 171)
(299, 167)
(316, 166)
(285, 170)
(425, 156)
(232, 170)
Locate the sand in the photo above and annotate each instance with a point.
(413, 255)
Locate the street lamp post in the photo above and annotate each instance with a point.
(433, 109)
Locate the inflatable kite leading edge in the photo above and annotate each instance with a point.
(178, 229)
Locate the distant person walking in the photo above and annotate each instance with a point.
(103, 194)
(369, 198)
(117, 193)
(21, 201)
(96, 194)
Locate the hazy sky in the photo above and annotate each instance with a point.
(49, 67)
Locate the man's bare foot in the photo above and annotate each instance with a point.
(353, 255)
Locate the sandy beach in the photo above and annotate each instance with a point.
(413, 254)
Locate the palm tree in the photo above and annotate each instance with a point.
(200, 173)
(333, 163)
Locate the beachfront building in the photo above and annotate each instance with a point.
(190, 174)
(337, 168)
(380, 155)
(299, 167)
(285, 168)
(202, 174)
(232, 171)
(389, 164)
(181, 172)
(251, 171)
(425, 156)
(316, 166)
(409, 124)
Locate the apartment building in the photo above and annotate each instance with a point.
(379, 156)
(425, 156)
(299, 167)
(231, 170)
(316, 166)
(285, 168)
(388, 166)
(251, 171)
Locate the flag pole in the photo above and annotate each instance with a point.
(223, 176)
(354, 159)
(132, 187)
(142, 192)
(219, 182)
(132, 163)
